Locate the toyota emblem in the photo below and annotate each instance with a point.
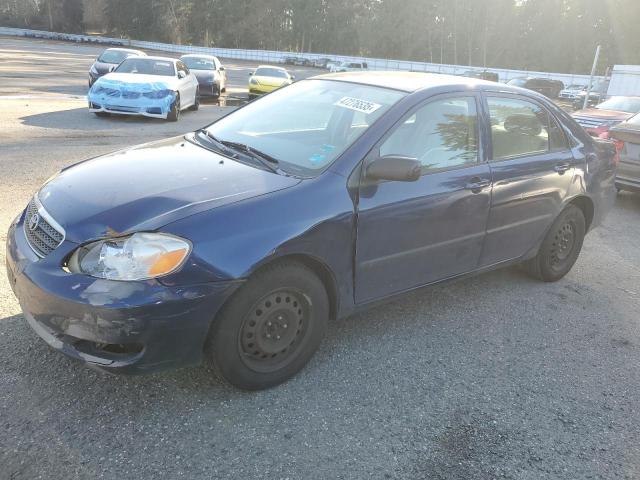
(33, 222)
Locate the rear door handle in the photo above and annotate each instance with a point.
(562, 167)
(476, 184)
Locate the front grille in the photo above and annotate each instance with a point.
(43, 237)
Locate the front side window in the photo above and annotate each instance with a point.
(441, 134)
(520, 128)
(307, 125)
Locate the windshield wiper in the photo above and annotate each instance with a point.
(219, 144)
(265, 159)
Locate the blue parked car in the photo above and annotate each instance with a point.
(237, 243)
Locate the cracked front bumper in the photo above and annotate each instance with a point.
(121, 327)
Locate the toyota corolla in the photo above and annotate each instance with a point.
(238, 243)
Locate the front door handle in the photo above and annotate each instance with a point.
(476, 184)
(562, 167)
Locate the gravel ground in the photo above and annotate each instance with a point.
(492, 377)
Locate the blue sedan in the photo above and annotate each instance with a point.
(237, 243)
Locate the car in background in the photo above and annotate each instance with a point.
(546, 86)
(349, 67)
(322, 62)
(303, 62)
(267, 78)
(571, 92)
(238, 243)
(599, 119)
(627, 137)
(109, 60)
(597, 93)
(482, 75)
(156, 87)
(289, 60)
(211, 74)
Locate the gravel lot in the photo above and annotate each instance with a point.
(497, 376)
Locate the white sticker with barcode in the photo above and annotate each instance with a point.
(358, 105)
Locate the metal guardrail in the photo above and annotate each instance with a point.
(271, 56)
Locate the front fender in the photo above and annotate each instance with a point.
(314, 219)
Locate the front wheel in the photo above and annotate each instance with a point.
(174, 113)
(560, 247)
(270, 328)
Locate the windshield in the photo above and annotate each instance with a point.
(307, 125)
(147, 66)
(270, 72)
(517, 82)
(199, 63)
(113, 56)
(621, 104)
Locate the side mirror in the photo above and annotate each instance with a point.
(181, 74)
(250, 74)
(293, 77)
(221, 68)
(395, 167)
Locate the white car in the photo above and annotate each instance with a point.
(349, 67)
(157, 87)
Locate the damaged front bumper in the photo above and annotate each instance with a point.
(116, 326)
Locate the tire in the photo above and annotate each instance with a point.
(174, 113)
(560, 247)
(196, 105)
(251, 344)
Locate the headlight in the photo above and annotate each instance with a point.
(93, 70)
(138, 257)
(158, 93)
(253, 81)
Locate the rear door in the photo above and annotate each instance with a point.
(413, 233)
(532, 169)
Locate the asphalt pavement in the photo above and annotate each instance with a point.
(493, 377)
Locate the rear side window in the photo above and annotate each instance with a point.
(521, 128)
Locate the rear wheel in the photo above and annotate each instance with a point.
(560, 248)
(270, 328)
(174, 113)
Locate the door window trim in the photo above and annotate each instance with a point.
(513, 96)
(375, 151)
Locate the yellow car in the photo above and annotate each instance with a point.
(266, 79)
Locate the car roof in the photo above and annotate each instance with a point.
(128, 50)
(164, 59)
(271, 66)
(199, 55)
(410, 81)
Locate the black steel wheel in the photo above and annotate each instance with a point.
(270, 327)
(560, 247)
(196, 104)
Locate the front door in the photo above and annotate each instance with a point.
(413, 233)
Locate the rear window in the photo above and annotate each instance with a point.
(621, 104)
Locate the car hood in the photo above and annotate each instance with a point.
(602, 114)
(270, 81)
(149, 186)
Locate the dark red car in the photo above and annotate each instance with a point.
(598, 120)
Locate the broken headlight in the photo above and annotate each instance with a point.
(137, 257)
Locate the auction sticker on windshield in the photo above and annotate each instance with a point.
(358, 105)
